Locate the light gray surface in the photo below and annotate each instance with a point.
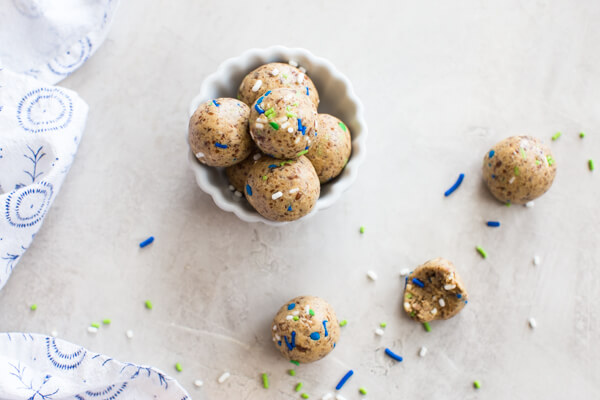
(441, 82)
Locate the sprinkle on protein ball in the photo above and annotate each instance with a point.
(372, 275)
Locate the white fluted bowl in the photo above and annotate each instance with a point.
(337, 98)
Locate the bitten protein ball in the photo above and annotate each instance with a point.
(218, 132)
(273, 76)
(238, 173)
(282, 190)
(434, 291)
(519, 169)
(305, 329)
(283, 122)
(331, 150)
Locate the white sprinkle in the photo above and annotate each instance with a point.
(302, 69)
(406, 305)
(290, 129)
(92, 329)
(307, 309)
(404, 272)
(198, 383)
(442, 303)
(231, 188)
(293, 63)
(529, 204)
(285, 125)
(129, 334)
(54, 333)
(257, 86)
(372, 275)
(379, 332)
(258, 125)
(275, 72)
(339, 397)
(199, 154)
(294, 190)
(423, 351)
(262, 120)
(283, 119)
(451, 276)
(536, 260)
(316, 123)
(276, 195)
(511, 180)
(300, 78)
(237, 193)
(297, 139)
(328, 396)
(277, 337)
(289, 317)
(532, 323)
(224, 377)
(257, 156)
(274, 327)
(274, 339)
(296, 313)
(307, 138)
(449, 286)
(434, 311)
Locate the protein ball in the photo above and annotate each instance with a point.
(218, 132)
(282, 123)
(273, 76)
(434, 291)
(283, 190)
(238, 173)
(331, 150)
(519, 169)
(305, 329)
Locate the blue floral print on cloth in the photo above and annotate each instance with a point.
(39, 367)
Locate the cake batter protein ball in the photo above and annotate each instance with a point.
(283, 122)
(276, 75)
(305, 329)
(519, 169)
(218, 132)
(434, 291)
(238, 173)
(282, 190)
(331, 150)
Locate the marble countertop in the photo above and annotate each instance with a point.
(441, 83)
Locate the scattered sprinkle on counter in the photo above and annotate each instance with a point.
(224, 377)
(339, 397)
(148, 304)
(581, 135)
(33, 307)
(423, 351)
(536, 260)
(493, 224)
(95, 325)
(265, 379)
(362, 391)
(427, 326)
(362, 229)
(298, 387)
(556, 135)
(327, 396)
(379, 332)
(481, 251)
(129, 334)
(343, 322)
(106, 321)
(455, 186)
(591, 165)
(198, 383)
(477, 384)
(393, 355)
(146, 242)
(178, 367)
(92, 329)
(304, 396)
(372, 275)
(54, 333)
(343, 381)
(295, 362)
(292, 372)
(404, 272)
(532, 323)
(529, 204)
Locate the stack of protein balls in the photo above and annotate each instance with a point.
(276, 148)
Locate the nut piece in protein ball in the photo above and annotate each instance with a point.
(283, 122)
(218, 132)
(331, 150)
(272, 76)
(305, 329)
(434, 291)
(519, 169)
(282, 190)
(238, 173)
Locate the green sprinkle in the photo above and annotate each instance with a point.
(298, 386)
(285, 76)
(556, 135)
(311, 312)
(295, 104)
(281, 164)
(383, 324)
(292, 372)
(537, 162)
(291, 115)
(517, 171)
(477, 384)
(362, 390)
(581, 135)
(412, 314)
(408, 295)
(302, 153)
(274, 125)
(178, 367)
(523, 154)
(296, 318)
(481, 251)
(304, 396)
(95, 325)
(265, 379)
(295, 362)
(343, 322)
(264, 177)
(343, 126)
(288, 108)
(427, 326)
(239, 97)
(148, 304)
(106, 321)
(362, 229)
(269, 113)
(507, 204)
(590, 166)
(550, 160)
(34, 306)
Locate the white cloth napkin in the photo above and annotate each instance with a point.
(39, 367)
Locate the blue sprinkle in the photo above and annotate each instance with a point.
(393, 355)
(492, 152)
(259, 109)
(293, 343)
(260, 100)
(455, 186)
(315, 336)
(334, 345)
(291, 306)
(273, 166)
(215, 103)
(266, 94)
(493, 176)
(293, 339)
(315, 133)
(418, 282)
(495, 224)
(306, 148)
(344, 379)
(221, 146)
(248, 190)
(147, 242)
(301, 127)
(458, 295)
(466, 301)
(307, 90)
(325, 327)
(279, 342)
(289, 208)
